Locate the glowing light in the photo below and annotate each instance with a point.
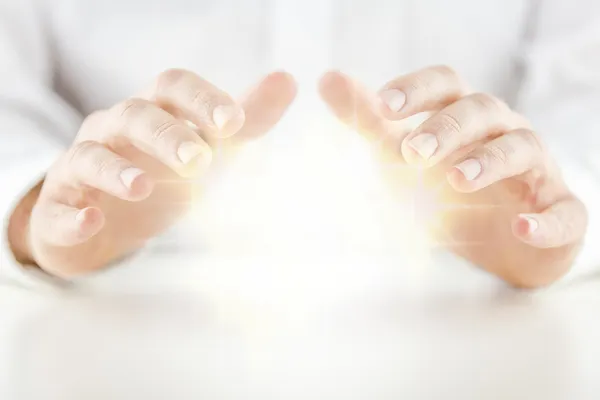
(304, 218)
(326, 197)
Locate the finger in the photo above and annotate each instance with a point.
(429, 89)
(353, 105)
(559, 225)
(90, 164)
(266, 104)
(466, 121)
(61, 225)
(208, 107)
(512, 154)
(153, 131)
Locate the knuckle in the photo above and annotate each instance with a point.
(486, 102)
(449, 123)
(91, 122)
(199, 92)
(532, 140)
(81, 151)
(162, 131)
(430, 81)
(498, 154)
(204, 99)
(201, 99)
(419, 83)
(172, 77)
(89, 156)
(445, 71)
(102, 166)
(130, 108)
(93, 158)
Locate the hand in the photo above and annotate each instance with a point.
(130, 171)
(508, 209)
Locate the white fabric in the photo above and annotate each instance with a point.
(62, 59)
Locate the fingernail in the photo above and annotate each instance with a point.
(470, 168)
(191, 125)
(532, 223)
(128, 176)
(394, 99)
(188, 151)
(425, 144)
(80, 216)
(222, 115)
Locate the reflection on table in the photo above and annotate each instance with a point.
(184, 343)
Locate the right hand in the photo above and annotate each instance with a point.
(126, 176)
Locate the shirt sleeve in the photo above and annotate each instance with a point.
(560, 94)
(35, 122)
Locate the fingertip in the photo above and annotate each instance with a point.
(90, 221)
(338, 92)
(464, 176)
(410, 155)
(137, 183)
(278, 89)
(266, 104)
(141, 187)
(328, 78)
(330, 82)
(526, 227)
(563, 223)
(457, 180)
(198, 164)
(282, 76)
(284, 82)
(391, 102)
(228, 120)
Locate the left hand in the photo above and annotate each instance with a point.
(515, 217)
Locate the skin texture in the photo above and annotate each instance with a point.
(509, 210)
(130, 171)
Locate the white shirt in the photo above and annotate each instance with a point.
(62, 59)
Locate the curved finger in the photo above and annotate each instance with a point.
(559, 225)
(266, 104)
(208, 107)
(353, 105)
(153, 131)
(90, 164)
(507, 156)
(462, 123)
(64, 226)
(429, 89)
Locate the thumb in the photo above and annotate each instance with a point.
(561, 224)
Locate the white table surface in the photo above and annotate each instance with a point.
(309, 333)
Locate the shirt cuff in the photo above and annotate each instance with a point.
(16, 183)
